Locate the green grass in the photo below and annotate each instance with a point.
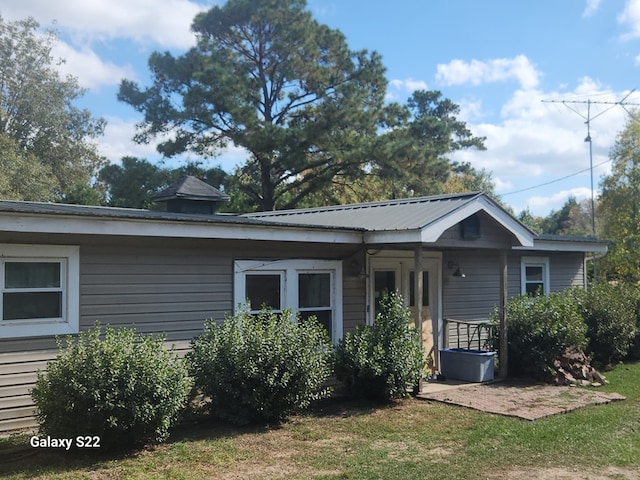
(340, 439)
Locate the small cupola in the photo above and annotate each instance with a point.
(191, 195)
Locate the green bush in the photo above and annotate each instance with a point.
(539, 330)
(634, 349)
(261, 368)
(383, 360)
(610, 314)
(126, 389)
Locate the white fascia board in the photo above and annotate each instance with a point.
(565, 246)
(157, 228)
(392, 236)
(434, 231)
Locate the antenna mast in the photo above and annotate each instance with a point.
(588, 119)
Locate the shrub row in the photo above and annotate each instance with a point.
(251, 368)
(604, 321)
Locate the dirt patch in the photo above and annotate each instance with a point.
(559, 473)
(523, 400)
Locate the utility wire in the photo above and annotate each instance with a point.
(553, 181)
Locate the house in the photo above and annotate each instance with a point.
(64, 267)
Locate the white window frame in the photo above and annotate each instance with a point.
(69, 259)
(289, 270)
(535, 262)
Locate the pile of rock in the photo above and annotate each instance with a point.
(574, 368)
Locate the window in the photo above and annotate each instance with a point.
(534, 274)
(264, 290)
(308, 287)
(314, 298)
(384, 282)
(470, 227)
(39, 287)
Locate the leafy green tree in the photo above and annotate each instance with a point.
(413, 156)
(574, 218)
(23, 176)
(267, 77)
(619, 206)
(530, 220)
(132, 183)
(37, 110)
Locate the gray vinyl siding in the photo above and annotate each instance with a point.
(492, 235)
(171, 286)
(159, 291)
(567, 270)
(354, 303)
(474, 297)
(164, 286)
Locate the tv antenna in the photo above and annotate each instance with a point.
(588, 119)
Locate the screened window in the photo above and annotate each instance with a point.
(39, 290)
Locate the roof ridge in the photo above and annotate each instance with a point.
(356, 206)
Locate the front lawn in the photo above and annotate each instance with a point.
(410, 439)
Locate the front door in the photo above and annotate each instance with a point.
(397, 273)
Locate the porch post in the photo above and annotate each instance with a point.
(417, 294)
(503, 359)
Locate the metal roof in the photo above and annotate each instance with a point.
(38, 208)
(569, 238)
(414, 220)
(393, 215)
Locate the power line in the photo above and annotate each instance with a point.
(588, 119)
(554, 181)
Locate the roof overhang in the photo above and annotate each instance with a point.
(430, 233)
(543, 245)
(84, 225)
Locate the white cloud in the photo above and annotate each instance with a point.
(534, 143)
(502, 186)
(550, 202)
(408, 84)
(117, 142)
(476, 72)
(630, 17)
(163, 22)
(470, 110)
(91, 71)
(591, 8)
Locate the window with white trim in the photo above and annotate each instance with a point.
(310, 288)
(39, 290)
(534, 275)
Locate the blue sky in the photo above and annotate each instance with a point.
(497, 59)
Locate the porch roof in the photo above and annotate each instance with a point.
(410, 220)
